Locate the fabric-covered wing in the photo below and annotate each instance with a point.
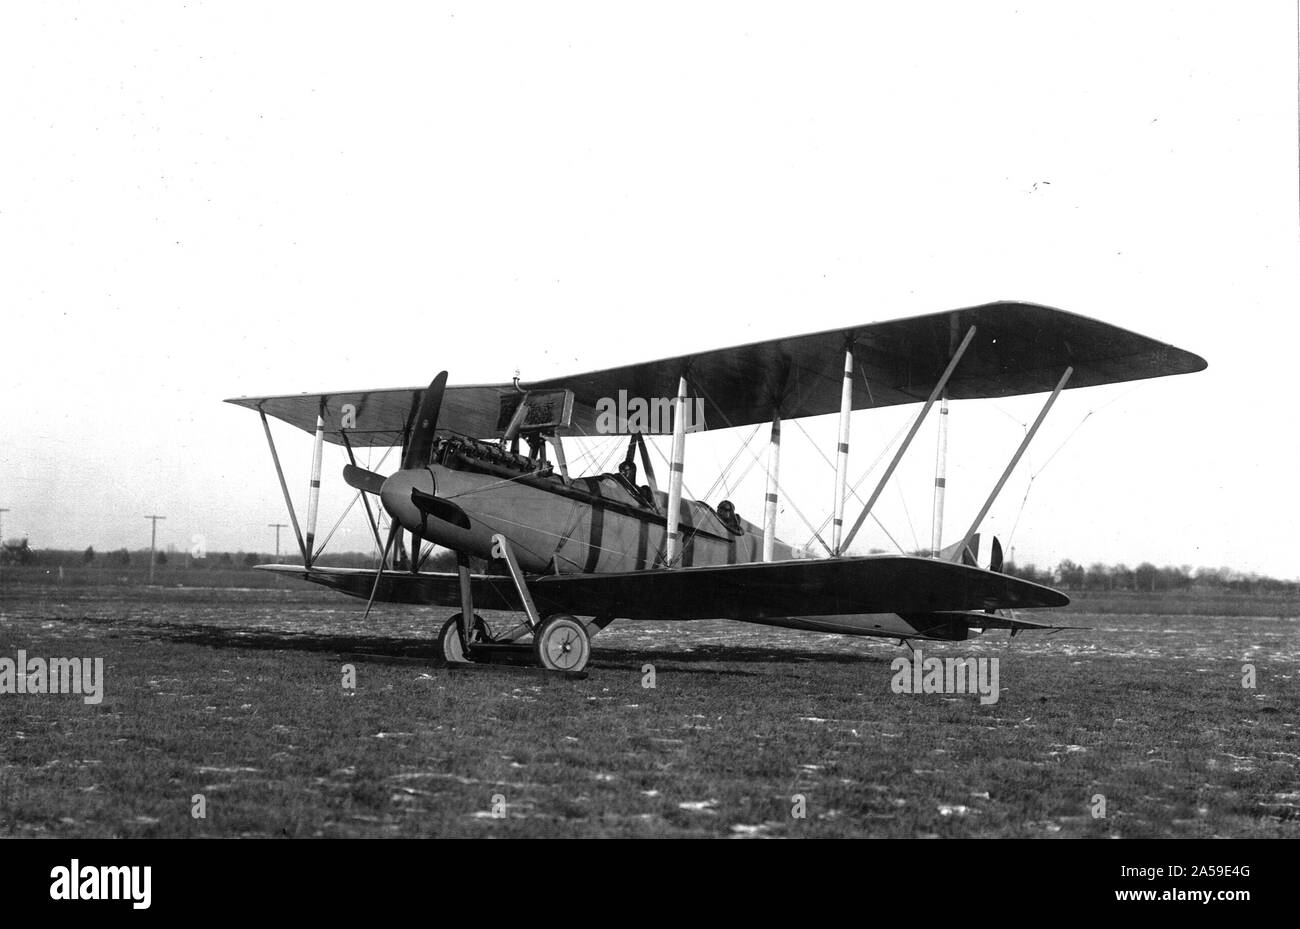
(1019, 348)
(869, 584)
(491, 592)
(381, 416)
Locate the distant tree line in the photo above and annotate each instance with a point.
(21, 554)
(124, 558)
(1148, 578)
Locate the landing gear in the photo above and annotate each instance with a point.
(453, 650)
(562, 643)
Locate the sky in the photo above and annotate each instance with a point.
(206, 200)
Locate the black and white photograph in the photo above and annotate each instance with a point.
(591, 420)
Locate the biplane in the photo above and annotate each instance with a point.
(483, 472)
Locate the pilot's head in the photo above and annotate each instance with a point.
(727, 511)
(628, 470)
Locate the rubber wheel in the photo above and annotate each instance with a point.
(562, 644)
(449, 638)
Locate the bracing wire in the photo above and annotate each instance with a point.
(853, 489)
(906, 512)
(1034, 475)
(722, 475)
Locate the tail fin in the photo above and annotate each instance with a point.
(970, 555)
(967, 556)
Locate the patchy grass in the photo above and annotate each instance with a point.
(104, 577)
(237, 695)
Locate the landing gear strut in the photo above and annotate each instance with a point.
(560, 642)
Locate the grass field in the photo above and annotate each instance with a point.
(237, 695)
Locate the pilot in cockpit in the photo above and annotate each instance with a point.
(727, 516)
(627, 476)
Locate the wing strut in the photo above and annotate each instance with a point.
(842, 457)
(648, 469)
(560, 460)
(941, 456)
(940, 478)
(773, 488)
(313, 491)
(673, 553)
(284, 488)
(370, 516)
(920, 418)
(1015, 459)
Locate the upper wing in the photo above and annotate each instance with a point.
(382, 416)
(1019, 348)
(868, 584)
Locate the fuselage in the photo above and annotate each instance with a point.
(585, 525)
(590, 525)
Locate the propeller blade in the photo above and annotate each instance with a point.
(439, 508)
(393, 530)
(361, 479)
(426, 424)
(995, 557)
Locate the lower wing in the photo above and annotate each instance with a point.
(870, 584)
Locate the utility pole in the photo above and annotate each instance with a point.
(277, 527)
(153, 542)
